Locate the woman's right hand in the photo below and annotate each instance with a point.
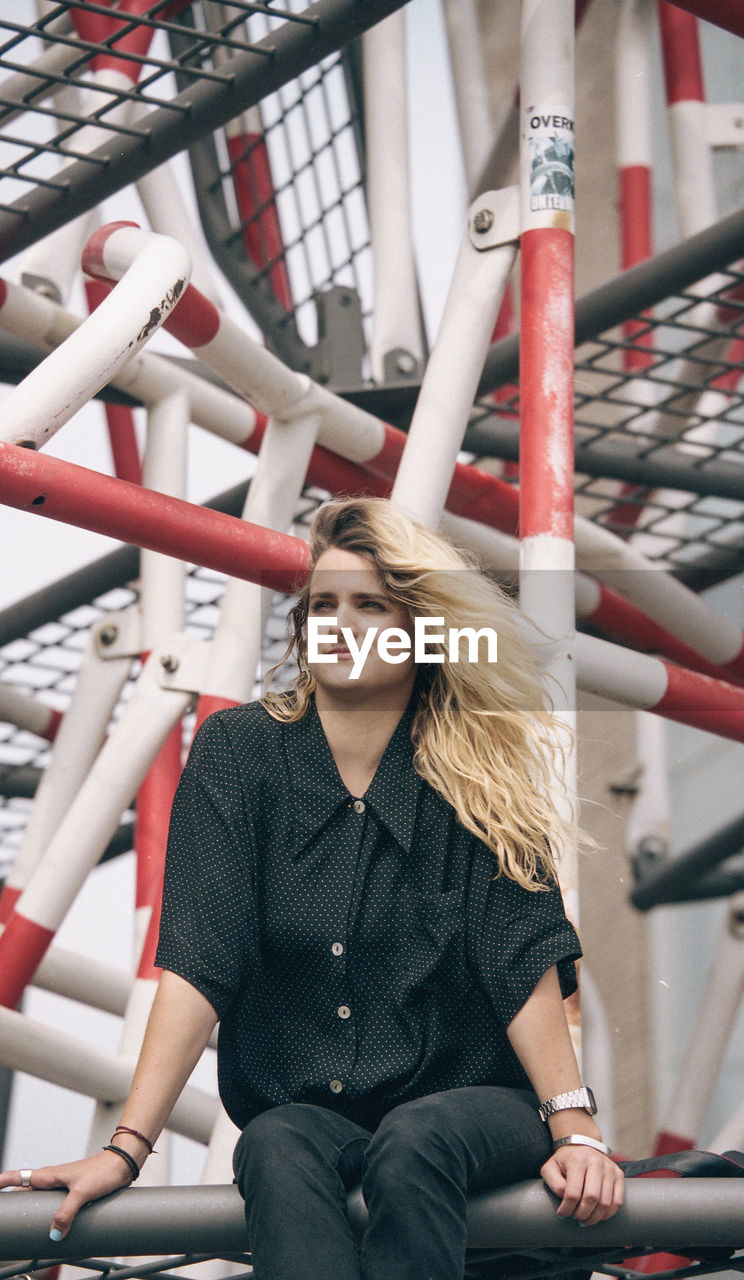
(84, 1180)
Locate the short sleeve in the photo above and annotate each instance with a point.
(207, 924)
(519, 935)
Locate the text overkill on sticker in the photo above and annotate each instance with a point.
(550, 139)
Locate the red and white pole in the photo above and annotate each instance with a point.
(605, 609)
(650, 684)
(547, 348)
(633, 79)
(28, 713)
(633, 131)
(691, 151)
(87, 827)
(75, 495)
(253, 182)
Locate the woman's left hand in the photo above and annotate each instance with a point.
(590, 1184)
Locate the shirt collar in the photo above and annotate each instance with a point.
(318, 791)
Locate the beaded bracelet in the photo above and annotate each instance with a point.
(122, 1128)
(130, 1160)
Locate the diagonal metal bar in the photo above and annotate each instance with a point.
(621, 298)
(669, 470)
(194, 113)
(663, 882)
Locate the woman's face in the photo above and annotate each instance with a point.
(346, 587)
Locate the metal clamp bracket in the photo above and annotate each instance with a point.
(181, 663)
(119, 635)
(494, 219)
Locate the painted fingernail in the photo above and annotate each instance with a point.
(55, 1234)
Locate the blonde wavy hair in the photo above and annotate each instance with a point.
(484, 734)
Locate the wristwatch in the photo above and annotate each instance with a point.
(583, 1098)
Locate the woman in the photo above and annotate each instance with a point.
(360, 887)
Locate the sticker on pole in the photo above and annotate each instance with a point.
(550, 143)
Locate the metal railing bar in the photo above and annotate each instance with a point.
(678, 1214)
(709, 479)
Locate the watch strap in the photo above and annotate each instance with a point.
(582, 1099)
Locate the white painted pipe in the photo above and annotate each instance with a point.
(633, 84)
(710, 1034)
(148, 377)
(272, 502)
(484, 263)
(99, 986)
(649, 816)
(164, 471)
(70, 375)
(635, 679)
(94, 815)
(65, 1060)
(162, 200)
(692, 162)
(396, 318)
(731, 1136)
(81, 735)
(26, 712)
(596, 1052)
(471, 87)
(218, 1164)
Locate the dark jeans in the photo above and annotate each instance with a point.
(295, 1163)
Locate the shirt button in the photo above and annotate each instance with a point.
(336, 1086)
(337, 948)
(358, 806)
(344, 1011)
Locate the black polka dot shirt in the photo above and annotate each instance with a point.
(359, 951)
